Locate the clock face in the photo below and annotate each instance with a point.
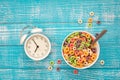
(37, 46)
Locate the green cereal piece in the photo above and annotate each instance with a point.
(83, 43)
(71, 36)
(89, 39)
(74, 63)
(72, 57)
(87, 44)
(80, 48)
(89, 25)
(76, 33)
(71, 61)
(51, 63)
(82, 35)
(68, 39)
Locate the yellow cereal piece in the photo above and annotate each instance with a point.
(86, 53)
(71, 52)
(66, 56)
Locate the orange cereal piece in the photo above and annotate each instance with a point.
(90, 20)
(80, 60)
(81, 52)
(87, 36)
(80, 65)
(84, 59)
(66, 50)
(93, 57)
(77, 54)
(90, 61)
(83, 39)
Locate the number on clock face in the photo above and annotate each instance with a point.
(37, 46)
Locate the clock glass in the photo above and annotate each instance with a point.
(37, 46)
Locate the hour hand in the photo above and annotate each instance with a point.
(36, 49)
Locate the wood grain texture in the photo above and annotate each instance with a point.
(58, 19)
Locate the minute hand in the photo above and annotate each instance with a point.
(35, 42)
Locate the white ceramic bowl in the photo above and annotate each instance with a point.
(98, 51)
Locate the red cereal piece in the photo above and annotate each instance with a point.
(58, 61)
(58, 69)
(75, 71)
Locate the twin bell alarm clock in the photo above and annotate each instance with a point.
(36, 45)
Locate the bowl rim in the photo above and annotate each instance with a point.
(98, 49)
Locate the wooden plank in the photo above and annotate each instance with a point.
(14, 57)
(58, 19)
(57, 32)
(63, 11)
(44, 74)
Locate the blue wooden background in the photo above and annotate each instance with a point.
(58, 18)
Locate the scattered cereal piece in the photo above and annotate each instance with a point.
(89, 25)
(50, 68)
(58, 69)
(51, 63)
(80, 21)
(90, 20)
(58, 61)
(92, 13)
(102, 62)
(98, 22)
(75, 71)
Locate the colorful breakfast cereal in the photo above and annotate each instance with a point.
(78, 51)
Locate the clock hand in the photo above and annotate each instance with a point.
(36, 49)
(35, 42)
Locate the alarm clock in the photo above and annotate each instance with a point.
(36, 45)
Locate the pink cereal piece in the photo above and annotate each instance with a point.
(58, 61)
(75, 71)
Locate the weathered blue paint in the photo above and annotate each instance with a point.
(58, 19)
